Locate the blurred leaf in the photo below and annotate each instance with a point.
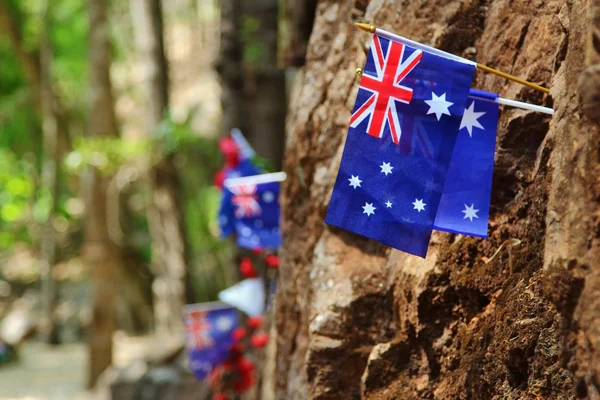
(13, 212)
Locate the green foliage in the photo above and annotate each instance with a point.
(69, 39)
(21, 202)
(24, 205)
(254, 49)
(16, 197)
(106, 154)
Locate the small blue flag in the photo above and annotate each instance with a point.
(465, 204)
(257, 215)
(209, 329)
(402, 131)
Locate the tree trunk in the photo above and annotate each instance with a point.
(264, 82)
(172, 285)
(229, 66)
(298, 18)
(253, 87)
(49, 180)
(11, 27)
(99, 251)
(356, 319)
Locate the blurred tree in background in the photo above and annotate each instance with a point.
(106, 199)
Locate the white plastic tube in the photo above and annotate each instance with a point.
(256, 179)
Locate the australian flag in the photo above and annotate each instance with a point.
(402, 132)
(226, 209)
(209, 328)
(255, 210)
(465, 204)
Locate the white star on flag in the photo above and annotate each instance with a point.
(268, 197)
(388, 204)
(369, 209)
(224, 324)
(419, 205)
(438, 105)
(354, 181)
(386, 168)
(470, 212)
(469, 119)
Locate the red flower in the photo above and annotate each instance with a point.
(259, 340)
(243, 384)
(257, 251)
(238, 334)
(272, 260)
(255, 322)
(237, 349)
(219, 178)
(219, 396)
(230, 150)
(245, 366)
(247, 268)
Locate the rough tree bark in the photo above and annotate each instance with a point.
(172, 284)
(49, 184)
(99, 251)
(358, 320)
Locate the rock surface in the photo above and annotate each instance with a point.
(358, 320)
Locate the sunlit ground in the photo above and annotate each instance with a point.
(45, 373)
(59, 373)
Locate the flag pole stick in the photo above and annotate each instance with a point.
(373, 29)
(256, 179)
(520, 104)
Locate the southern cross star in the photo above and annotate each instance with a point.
(419, 205)
(354, 181)
(386, 168)
(268, 197)
(224, 324)
(368, 209)
(388, 204)
(469, 119)
(470, 212)
(438, 105)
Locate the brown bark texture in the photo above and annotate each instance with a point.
(99, 251)
(356, 319)
(172, 286)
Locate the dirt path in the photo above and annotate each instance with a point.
(45, 373)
